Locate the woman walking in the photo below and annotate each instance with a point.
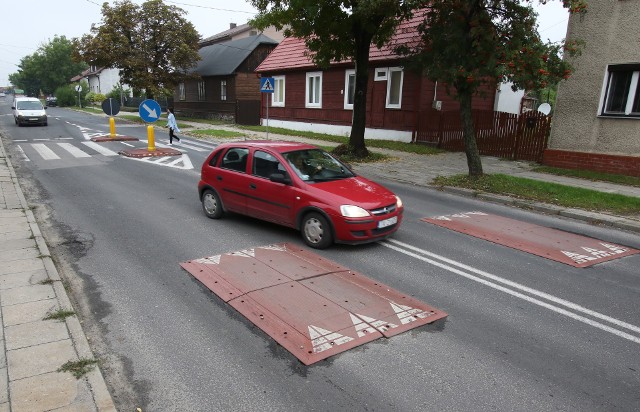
(173, 126)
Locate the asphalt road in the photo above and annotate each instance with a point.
(523, 332)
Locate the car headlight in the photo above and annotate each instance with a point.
(398, 202)
(353, 211)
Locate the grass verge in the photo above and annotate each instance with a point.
(590, 175)
(224, 134)
(79, 367)
(545, 192)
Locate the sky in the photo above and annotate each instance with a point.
(22, 31)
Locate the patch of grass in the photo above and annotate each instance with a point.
(224, 134)
(545, 192)
(381, 144)
(79, 367)
(372, 158)
(590, 175)
(46, 282)
(60, 315)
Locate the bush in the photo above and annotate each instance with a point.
(66, 96)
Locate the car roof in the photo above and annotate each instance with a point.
(27, 98)
(281, 146)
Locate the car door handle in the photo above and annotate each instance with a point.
(219, 177)
(253, 186)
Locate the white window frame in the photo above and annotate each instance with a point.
(347, 74)
(380, 73)
(278, 86)
(181, 91)
(390, 75)
(201, 91)
(316, 103)
(633, 91)
(223, 90)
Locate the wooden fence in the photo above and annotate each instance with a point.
(511, 136)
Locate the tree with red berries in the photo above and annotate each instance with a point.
(470, 45)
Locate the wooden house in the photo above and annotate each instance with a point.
(307, 98)
(225, 83)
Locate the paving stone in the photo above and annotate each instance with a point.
(14, 226)
(22, 265)
(28, 312)
(51, 391)
(23, 234)
(4, 387)
(35, 333)
(15, 280)
(19, 254)
(39, 359)
(16, 244)
(26, 294)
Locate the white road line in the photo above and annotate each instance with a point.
(41, 140)
(73, 150)
(45, 152)
(100, 149)
(23, 155)
(518, 294)
(127, 144)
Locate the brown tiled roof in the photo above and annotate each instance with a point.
(290, 53)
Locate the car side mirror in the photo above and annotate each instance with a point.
(13, 108)
(280, 178)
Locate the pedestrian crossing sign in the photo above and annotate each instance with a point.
(266, 84)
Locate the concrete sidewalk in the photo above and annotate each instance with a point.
(33, 349)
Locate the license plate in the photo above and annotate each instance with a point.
(388, 222)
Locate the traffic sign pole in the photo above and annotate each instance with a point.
(266, 86)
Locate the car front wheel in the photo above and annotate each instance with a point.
(316, 231)
(211, 204)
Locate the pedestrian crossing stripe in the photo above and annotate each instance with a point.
(182, 162)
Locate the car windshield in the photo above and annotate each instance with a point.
(315, 165)
(29, 105)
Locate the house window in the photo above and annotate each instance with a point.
(277, 97)
(313, 92)
(349, 88)
(223, 90)
(394, 87)
(181, 91)
(201, 95)
(380, 74)
(622, 91)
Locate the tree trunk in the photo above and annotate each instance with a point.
(359, 119)
(470, 146)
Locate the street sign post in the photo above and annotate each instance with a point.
(266, 86)
(150, 112)
(111, 107)
(79, 89)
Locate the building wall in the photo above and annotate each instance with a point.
(611, 31)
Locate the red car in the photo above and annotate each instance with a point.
(300, 186)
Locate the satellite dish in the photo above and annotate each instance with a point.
(545, 108)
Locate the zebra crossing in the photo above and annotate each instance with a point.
(68, 149)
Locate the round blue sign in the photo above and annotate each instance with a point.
(150, 110)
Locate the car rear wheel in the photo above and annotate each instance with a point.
(211, 204)
(316, 231)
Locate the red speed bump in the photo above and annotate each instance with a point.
(310, 305)
(564, 247)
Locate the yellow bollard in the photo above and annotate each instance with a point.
(112, 127)
(151, 139)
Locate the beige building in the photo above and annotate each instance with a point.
(596, 124)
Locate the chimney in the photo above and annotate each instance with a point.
(232, 26)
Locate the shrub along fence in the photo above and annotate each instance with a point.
(507, 135)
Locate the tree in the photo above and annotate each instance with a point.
(50, 67)
(338, 30)
(152, 44)
(471, 45)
